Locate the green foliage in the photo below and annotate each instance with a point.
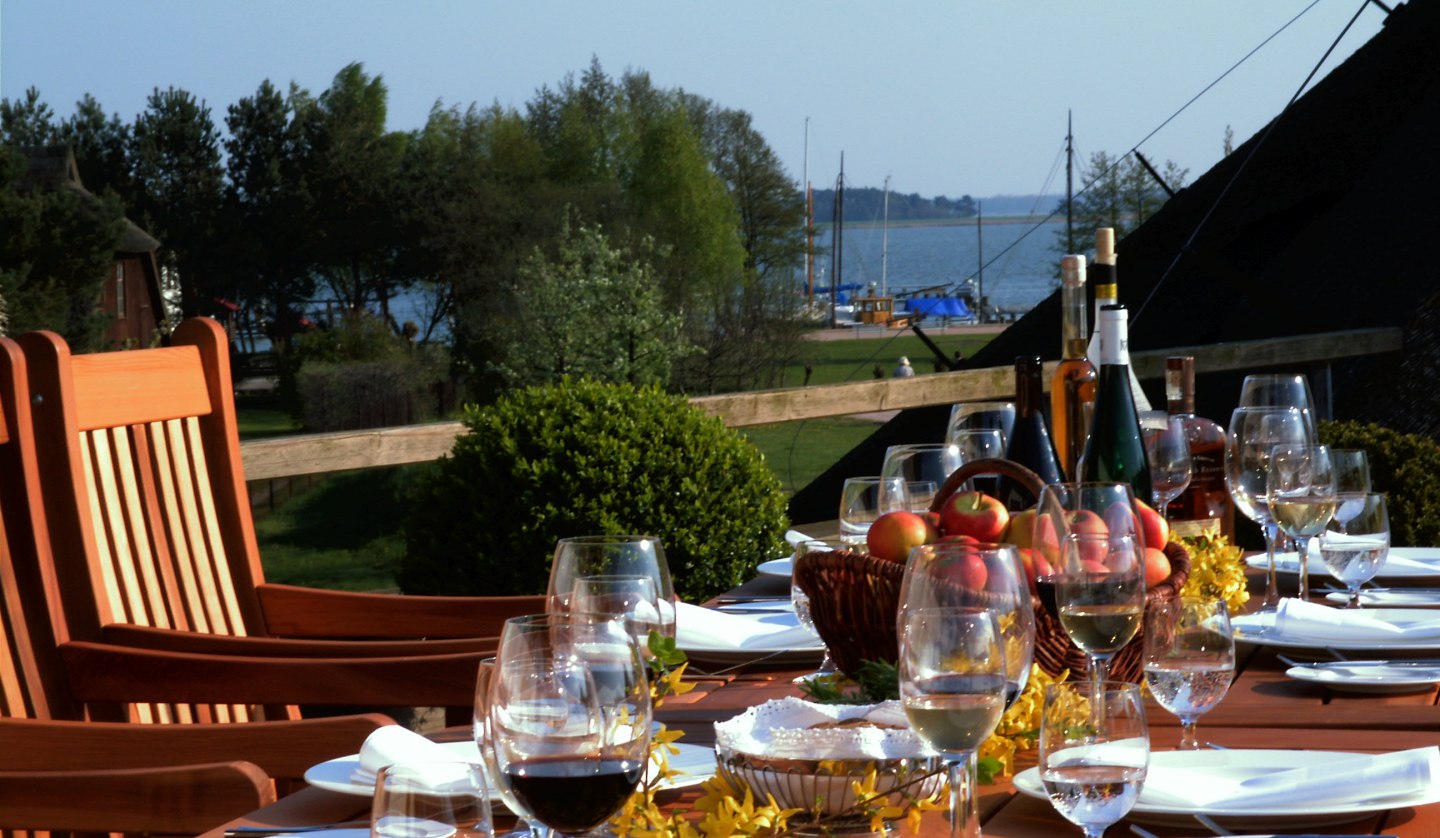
(1119, 193)
(581, 458)
(1406, 467)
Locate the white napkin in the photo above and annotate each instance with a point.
(391, 745)
(1349, 779)
(784, 727)
(1313, 621)
(711, 630)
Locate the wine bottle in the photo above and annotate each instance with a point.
(1030, 444)
(1107, 293)
(1072, 387)
(1205, 507)
(1115, 452)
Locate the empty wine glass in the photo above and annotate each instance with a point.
(1300, 489)
(924, 461)
(801, 601)
(979, 444)
(863, 499)
(1167, 446)
(611, 555)
(1352, 480)
(1094, 752)
(1354, 550)
(920, 494)
(1100, 595)
(431, 800)
(1252, 434)
(1280, 390)
(952, 685)
(632, 599)
(1189, 658)
(999, 416)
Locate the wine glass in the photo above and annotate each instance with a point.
(1064, 508)
(920, 494)
(979, 444)
(1253, 432)
(1167, 446)
(863, 499)
(1355, 549)
(1280, 390)
(801, 601)
(485, 741)
(996, 415)
(1352, 480)
(1094, 752)
(431, 800)
(632, 599)
(1189, 658)
(923, 461)
(611, 555)
(1100, 595)
(1300, 491)
(952, 684)
(570, 718)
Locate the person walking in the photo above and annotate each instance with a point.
(904, 370)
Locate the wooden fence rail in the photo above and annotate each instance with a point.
(318, 453)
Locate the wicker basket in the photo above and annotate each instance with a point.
(854, 597)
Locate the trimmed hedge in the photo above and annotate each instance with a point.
(1406, 467)
(586, 458)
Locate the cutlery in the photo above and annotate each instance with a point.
(777, 609)
(258, 831)
(738, 600)
(1346, 664)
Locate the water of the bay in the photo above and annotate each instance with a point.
(1020, 258)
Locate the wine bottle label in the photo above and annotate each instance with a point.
(1114, 335)
(1173, 392)
(1190, 529)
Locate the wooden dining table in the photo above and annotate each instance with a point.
(1264, 708)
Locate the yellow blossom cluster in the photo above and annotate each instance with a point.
(1217, 571)
(1019, 728)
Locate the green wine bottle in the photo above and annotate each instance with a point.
(1115, 452)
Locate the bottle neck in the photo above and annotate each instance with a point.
(1114, 337)
(1074, 333)
(1029, 389)
(1180, 385)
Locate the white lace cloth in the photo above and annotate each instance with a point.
(782, 728)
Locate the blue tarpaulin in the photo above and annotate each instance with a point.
(939, 307)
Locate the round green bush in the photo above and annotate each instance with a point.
(586, 458)
(1406, 467)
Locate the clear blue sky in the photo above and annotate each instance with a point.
(944, 96)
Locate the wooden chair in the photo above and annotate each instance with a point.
(154, 546)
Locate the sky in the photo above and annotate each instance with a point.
(952, 97)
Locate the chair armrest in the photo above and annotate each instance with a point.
(181, 800)
(172, 640)
(100, 672)
(283, 750)
(292, 611)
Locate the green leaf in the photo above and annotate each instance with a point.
(988, 769)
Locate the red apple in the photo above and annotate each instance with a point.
(1153, 526)
(957, 557)
(933, 518)
(1122, 519)
(974, 514)
(894, 533)
(1157, 567)
(1021, 530)
(1086, 522)
(1035, 565)
(1045, 539)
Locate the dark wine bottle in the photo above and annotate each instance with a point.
(1205, 507)
(1030, 444)
(1072, 387)
(1115, 452)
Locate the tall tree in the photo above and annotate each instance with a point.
(26, 122)
(101, 146)
(1119, 193)
(175, 149)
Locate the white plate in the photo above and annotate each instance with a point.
(1259, 629)
(696, 761)
(1363, 677)
(1395, 598)
(1245, 763)
(1418, 563)
(778, 567)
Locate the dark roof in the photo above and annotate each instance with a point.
(1328, 227)
(53, 167)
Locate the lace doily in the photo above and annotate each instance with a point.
(783, 728)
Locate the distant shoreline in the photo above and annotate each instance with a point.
(945, 222)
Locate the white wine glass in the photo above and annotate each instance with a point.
(1094, 752)
(863, 499)
(1252, 434)
(611, 555)
(1064, 508)
(1167, 446)
(1300, 489)
(952, 685)
(1354, 550)
(1352, 480)
(1189, 658)
(431, 800)
(1100, 595)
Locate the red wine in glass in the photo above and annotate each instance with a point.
(573, 795)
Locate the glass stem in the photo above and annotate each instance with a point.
(1302, 554)
(1272, 584)
(1188, 741)
(964, 816)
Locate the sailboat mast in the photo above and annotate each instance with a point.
(1069, 183)
(885, 239)
(979, 251)
(836, 243)
(809, 225)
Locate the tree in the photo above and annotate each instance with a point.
(1118, 193)
(101, 146)
(590, 311)
(26, 122)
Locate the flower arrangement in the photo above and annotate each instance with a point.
(1217, 571)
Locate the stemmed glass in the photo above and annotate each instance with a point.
(1167, 446)
(485, 741)
(978, 444)
(801, 601)
(1352, 480)
(1063, 508)
(952, 684)
(997, 415)
(632, 599)
(1300, 491)
(1280, 390)
(924, 461)
(1094, 752)
(1189, 658)
(611, 555)
(1252, 434)
(431, 800)
(863, 499)
(1355, 549)
(1100, 595)
(920, 494)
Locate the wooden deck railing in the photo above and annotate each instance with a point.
(319, 453)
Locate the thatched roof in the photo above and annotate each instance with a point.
(1329, 226)
(53, 167)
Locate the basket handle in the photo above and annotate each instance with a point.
(1031, 481)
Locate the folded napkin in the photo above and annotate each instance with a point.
(392, 745)
(1313, 621)
(712, 630)
(1331, 779)
(786, 728)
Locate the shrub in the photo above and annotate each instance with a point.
(582, 458)
(1406, 467)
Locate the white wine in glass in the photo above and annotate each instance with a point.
(1300, 485)
(1100, 595)
(1252, 434)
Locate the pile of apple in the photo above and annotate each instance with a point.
(977, 518)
